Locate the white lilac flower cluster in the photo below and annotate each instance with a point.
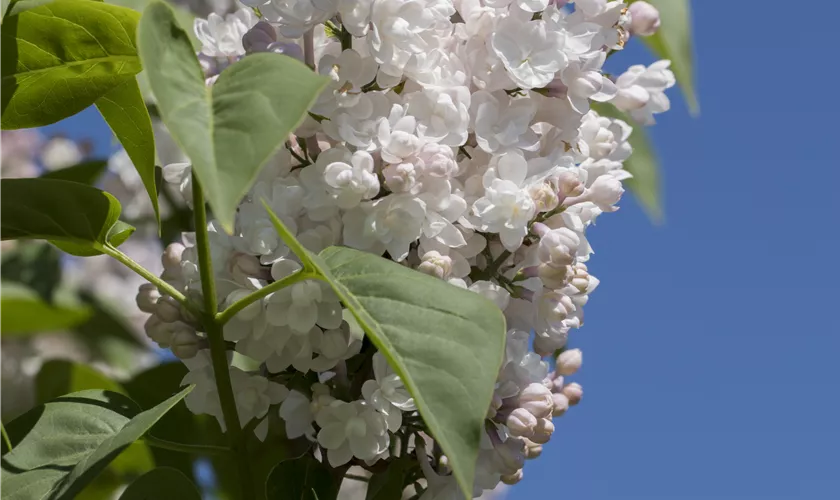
(456, 138)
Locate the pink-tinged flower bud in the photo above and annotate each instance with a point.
(574, 392)
(532, 450)
(568, 362)
(569, 185)
(543, 431)
(521, 423)
(147, 298)
(168, 309)
(153, 327)
(644, 19)
(185, 344)
(558, 384)
(511, 454)
(258, 38)
(171, 258)
(536, 398)
(561, 404)
(512, 479)
(605, 192)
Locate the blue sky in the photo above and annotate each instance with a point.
(711, 345)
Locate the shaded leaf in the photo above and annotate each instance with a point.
(673, 41)
(302, 478)
(161, 483)
(59, 447)
(83, 173)
(125, 111)
(60, 377)
(33, 264)
(643, 164)
(446, 343)
(389, 484)
(76, 217)
(59, 57)
(25, 313)
(231, 128)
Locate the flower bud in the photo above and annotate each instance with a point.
(574, 392)
(532, 450)
(168, 309)
(543, 431)
(558, 247)
(554, 306)
(171, 258)
(568, 362)
(554, 277)
(243, 266)
(435, 264)
(512, 479)
(258, 38)
(644, 19)
(569, 185)
(521, 423)
(154, 328)
(605, 192)
(147, 297)
(536, 398)
(545, 197)
(557, 384)
(581, 279)
(561, 404)
(185, 344)
(545, 346)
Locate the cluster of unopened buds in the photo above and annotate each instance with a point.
(457, 138)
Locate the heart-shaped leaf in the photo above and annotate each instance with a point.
(59, 447)
(228, 129)
(163, 482)
(59, 57)
(79, 219)
(445, 343)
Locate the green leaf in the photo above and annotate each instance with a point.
(161, 483)
(59, 377)
(446, 343)
(33, 264)
(59, 57)
(79, 219)
(59, 447)
(231, 128)
(390, 483)
(125, 111)
(184, 17)
(25, 313)
(303, 478)
(643, 164)
(673, 41)
(83, 173)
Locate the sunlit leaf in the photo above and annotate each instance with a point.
(59, 57)
(25, 312)
(446, 343)
(231, 128)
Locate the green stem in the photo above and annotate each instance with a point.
(229, 312)
(218, 348)
(6, 438)
(195, 449)
(493, 268)
(163, 286)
